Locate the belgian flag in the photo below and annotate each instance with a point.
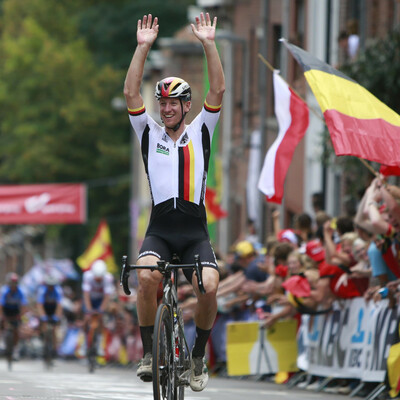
(359, 124)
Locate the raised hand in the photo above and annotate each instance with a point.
(147, 30)
(204, 30)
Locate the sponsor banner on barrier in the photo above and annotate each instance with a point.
(383, 324)
(252, 350)
(335, 341)
(352, 341)
(43, 204)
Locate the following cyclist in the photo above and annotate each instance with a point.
(97, 288)
(13, 304)
(176, 159)
(49, 298)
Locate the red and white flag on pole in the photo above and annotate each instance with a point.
(292, 115)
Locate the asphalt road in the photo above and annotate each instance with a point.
(70, 380)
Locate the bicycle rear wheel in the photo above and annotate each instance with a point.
(9, 342)
(92, 351)
(163, 356)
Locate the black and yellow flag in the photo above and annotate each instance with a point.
(359, 124)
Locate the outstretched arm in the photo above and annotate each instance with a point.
(204, 30)
(147, 31)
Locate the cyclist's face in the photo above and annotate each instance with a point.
(171, 110)
(13, 285)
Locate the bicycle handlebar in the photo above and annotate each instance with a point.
(162, 267)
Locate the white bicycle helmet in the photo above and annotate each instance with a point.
(50, 280)
(99, 268)
(173, 87)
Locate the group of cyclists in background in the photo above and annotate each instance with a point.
(55, 304)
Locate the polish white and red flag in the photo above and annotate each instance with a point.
(293, 117)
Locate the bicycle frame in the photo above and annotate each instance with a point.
(178, 376)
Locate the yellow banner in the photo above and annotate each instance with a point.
(251, 350)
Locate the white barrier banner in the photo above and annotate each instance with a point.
(352, 341)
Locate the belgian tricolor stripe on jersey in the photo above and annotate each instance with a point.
(359, 123)
(186, 172)
(212, 109)
(137, 111)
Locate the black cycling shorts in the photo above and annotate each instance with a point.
(50, 309)
(176, 231)
(156, 246)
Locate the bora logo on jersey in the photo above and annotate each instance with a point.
(162, 149)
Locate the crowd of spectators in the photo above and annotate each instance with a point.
(304, 268)
(300, 269)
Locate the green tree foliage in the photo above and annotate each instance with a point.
(110, 27)
(62, 63)
(56, 119)
(378, 69)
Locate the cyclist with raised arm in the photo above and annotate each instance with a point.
(13, 304)
(176, 159)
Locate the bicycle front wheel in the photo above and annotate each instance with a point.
(163, 356)
(48, 347)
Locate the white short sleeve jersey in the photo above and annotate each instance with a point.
(176, 170)
(97, 289)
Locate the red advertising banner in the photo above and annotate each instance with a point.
(43, 204)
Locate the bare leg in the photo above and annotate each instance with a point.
(206, 308)
(147, 291)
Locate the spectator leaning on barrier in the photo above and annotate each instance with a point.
(338, 261)
(302, 274)
(383, 212)
(230, 293)
(380, 272)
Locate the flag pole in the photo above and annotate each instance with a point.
(314, 111)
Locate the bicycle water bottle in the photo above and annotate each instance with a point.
(176, 333)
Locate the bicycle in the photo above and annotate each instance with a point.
(10, 334)
(49, 345)
(171, 354)
(92, 338)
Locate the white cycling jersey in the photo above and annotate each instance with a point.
(176, 170)
(97, 289)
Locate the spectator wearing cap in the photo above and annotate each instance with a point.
(284, 235)
(288, 236)
(315, 250)
(245, 268)
(250, 261)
